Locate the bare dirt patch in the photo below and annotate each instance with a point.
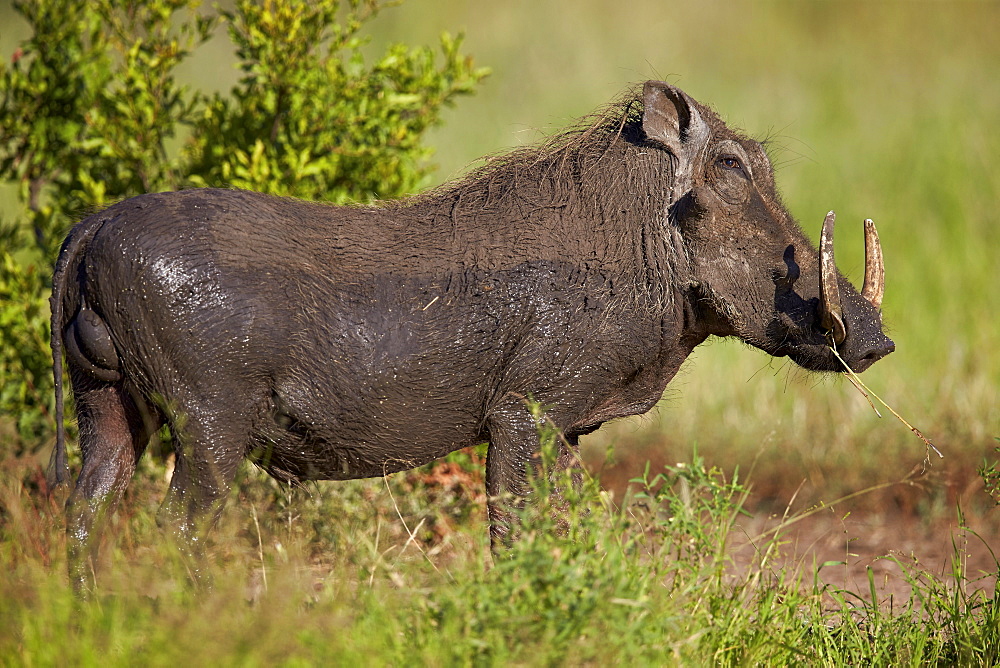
(838, 548)
(901, 532)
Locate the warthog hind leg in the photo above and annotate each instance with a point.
(113, 435)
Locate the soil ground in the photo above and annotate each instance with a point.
(885, 543)
(899, 532)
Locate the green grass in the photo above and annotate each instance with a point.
(882, 110)
(648, 583)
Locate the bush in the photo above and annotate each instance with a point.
(91, 112)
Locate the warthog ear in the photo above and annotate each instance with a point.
(670, 117)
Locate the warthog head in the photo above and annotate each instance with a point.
(754, 273)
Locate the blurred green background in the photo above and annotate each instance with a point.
(886, 110)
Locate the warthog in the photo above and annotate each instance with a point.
(339, 342)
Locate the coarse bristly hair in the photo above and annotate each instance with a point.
(564, 156)
(601, 174)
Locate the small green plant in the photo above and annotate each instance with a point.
(990, 473)
(92, 111)
(687, 502)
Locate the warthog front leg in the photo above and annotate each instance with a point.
(513, 454)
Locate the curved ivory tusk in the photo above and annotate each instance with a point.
(831, 316)
(874, 286)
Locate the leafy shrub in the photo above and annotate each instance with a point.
(91, 111)
(25, 361)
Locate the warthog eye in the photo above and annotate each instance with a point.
(729, 162)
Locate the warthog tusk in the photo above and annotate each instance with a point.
(874, 286)
(831, 315)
